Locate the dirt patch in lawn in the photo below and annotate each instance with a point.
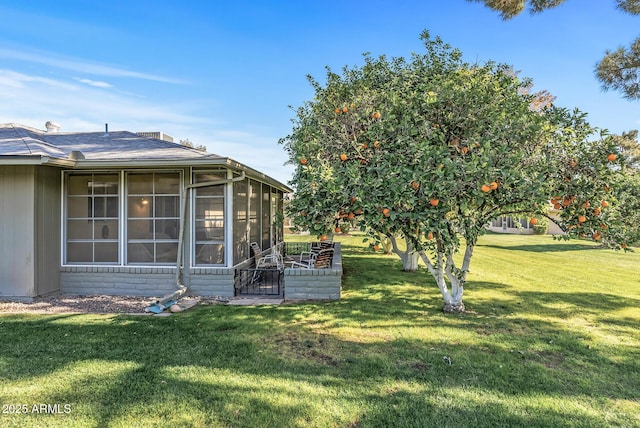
(79, 304)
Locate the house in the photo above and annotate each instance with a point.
(522, 226)
(125, 213)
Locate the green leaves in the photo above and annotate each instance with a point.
(372, 131)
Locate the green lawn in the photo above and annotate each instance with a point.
(551, 339)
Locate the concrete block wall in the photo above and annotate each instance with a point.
(299, 284)
(117, 280)
(315, 284)
(211, 282)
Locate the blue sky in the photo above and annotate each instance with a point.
(224, 74)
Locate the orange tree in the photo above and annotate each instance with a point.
(433, 148)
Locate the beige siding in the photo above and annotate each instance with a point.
(47, 233)
(16, 231)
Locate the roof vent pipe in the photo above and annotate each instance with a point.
(52, 126)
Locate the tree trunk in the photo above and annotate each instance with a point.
(410, 261)
(409, 257)
(451, 308)
(444, 267)
(386, 244)
(453, 301)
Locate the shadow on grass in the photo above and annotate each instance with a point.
(256, 359)
(375, 358)
(544, 248)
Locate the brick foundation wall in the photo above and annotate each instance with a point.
(114, 281)
(315, 284)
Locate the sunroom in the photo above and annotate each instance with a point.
(125, 228)
(124, 214)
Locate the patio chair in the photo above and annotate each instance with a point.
(269, 261)
(321, 259)
(257, 251)
(316, 247)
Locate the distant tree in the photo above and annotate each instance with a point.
(628, 188)
(188, 143)
(629, 149)
(618, 70)
(627, 210)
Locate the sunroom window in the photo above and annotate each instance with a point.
(153, 217)
(92, 202)
(209, 219)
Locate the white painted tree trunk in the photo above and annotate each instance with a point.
(410, 257)
(386, 244)
(443, 268)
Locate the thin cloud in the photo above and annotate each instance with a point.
(32, 100)
(14, 79)
(94, 83)
(82, 66)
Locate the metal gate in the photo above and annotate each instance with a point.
(258, 282)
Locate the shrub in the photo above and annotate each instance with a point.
(542, 227)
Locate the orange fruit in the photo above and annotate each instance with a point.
(485, 188)
(376, 248)
(344, 109)
(586, 204)
(533, 221)
(415, 185)
(566, 202)
(303, 161)
(351, 216)
(376, 144)
(323, 237)
(434, 202)
(343, 157)
(338, 111)
(464, 150)
(596, 211)
(386, 212)
(596, 236)
(604, 203)
(376, 115)
(582, 219)
(493, 185)
(365, 146)
(557, 206)
(430, 236)
(611, 157)
(338, 230)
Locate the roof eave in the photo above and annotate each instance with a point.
(37, 160)
(188, 162)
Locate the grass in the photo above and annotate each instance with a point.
(551, 340)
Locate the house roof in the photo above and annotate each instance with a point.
(21, 144)
(19, 140)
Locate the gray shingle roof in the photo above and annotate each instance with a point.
(115, 149)
(19, 140)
